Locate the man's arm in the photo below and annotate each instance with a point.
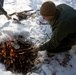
(58, 35)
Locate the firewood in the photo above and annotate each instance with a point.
(21, 60)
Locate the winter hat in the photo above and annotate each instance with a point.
(48, 8)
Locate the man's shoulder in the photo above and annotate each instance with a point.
(66, 10)
(65, 7)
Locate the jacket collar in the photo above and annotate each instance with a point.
(52, 22)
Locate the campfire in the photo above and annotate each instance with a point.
(17, 55)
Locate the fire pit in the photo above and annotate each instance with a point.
(17, 55)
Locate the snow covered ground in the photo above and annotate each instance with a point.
(33, 30)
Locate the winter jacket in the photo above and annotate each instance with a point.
(63, 27)
(2, 11)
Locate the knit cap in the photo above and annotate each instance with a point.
(48, 8)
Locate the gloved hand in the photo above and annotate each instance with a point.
(35, 49)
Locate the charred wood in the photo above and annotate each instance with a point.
(21, 59)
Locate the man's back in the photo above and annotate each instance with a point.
(64, 25)
(66, 11)
(67, 21)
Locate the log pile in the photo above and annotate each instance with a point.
(17, 55)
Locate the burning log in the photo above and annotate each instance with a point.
(17, 58)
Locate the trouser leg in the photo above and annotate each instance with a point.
(1, 3)
(2, 11)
